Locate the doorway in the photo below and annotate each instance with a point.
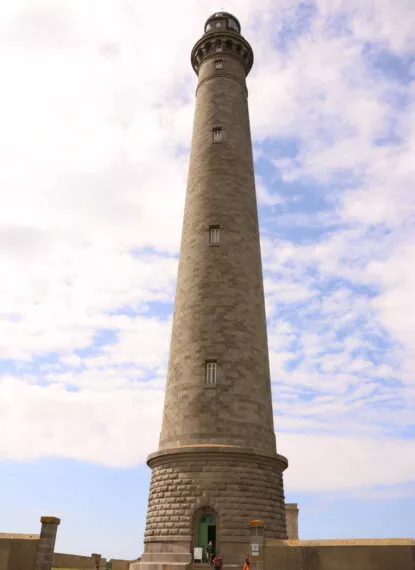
(206, 532)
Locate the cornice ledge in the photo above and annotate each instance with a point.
(200, 53)
(221, 452)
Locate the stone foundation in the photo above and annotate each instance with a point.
(236, 485)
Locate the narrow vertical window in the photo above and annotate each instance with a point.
(211, 373)
(214, 235)
(218, 25)
(217, 134)
(218, 47)
(218, 64)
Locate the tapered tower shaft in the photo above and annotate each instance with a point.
(217, 458)
(219, 314)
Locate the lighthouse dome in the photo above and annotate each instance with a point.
(222, 21)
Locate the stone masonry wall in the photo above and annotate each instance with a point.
(238, 489)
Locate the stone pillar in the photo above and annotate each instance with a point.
(257, 544)
(97, 560)
(291, 515)
(46, 546)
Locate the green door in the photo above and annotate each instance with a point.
(204, 532)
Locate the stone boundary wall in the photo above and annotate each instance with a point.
(18, 551)
(346, 542)
(369, 554)
(74, 561)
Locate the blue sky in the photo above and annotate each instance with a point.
(96, 112)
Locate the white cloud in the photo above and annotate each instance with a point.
(334, 463)
(96, 112)
(115, 428)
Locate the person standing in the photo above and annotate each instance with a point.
(247, 563)
(209, 552)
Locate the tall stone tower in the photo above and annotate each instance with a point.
(217, 467)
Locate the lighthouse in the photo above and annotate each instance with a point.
(217, 466)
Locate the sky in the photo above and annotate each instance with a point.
(96, 110)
